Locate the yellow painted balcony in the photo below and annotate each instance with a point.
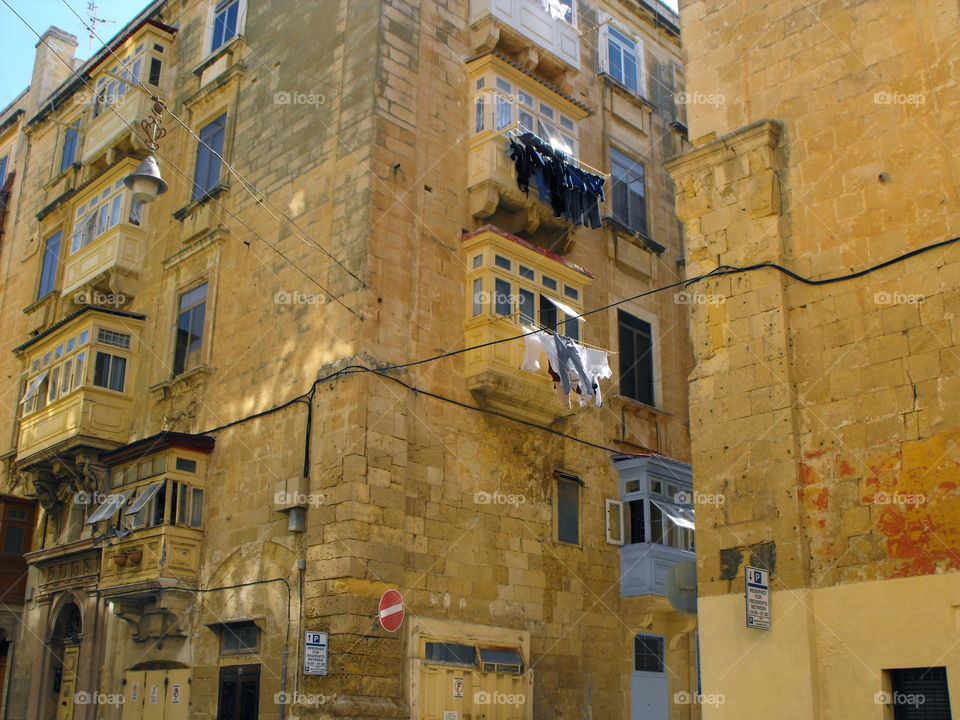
(77, 381)
(508, 100)
(512, 283)
(94, 413)
(163, 556)
(108, 128)
(119, 249)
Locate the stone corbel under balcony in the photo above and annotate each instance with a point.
(530, 401)
(509, 209)
(156, 615)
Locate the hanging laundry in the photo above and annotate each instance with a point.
(571, 192)
(597, 368)
(568, 359)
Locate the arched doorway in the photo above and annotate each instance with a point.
(64, 653)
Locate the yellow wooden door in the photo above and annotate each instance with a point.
(133, 695)
(178, 695)
(154, 694)
(445, 690)
(68, 682)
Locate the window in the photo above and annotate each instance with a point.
(189, 505)
(614, 519)
(622, 54)
(51, 261)
(13, 540)
(207, 173)
(65, 372)
(501, 660)
(568, 509)
(239, 637)
(100, 213)
(3, 170)
(919, 693)
(513, 105)
(68, 155)
(111, 337)
(109, 371)
(451, 654)
(648, 653)
(629, 192)
(186, 465)
(224, 22)
(477, 296)
(655, 514)
(503, 304)
(636, 358)
(190, 321)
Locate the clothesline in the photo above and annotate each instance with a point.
(537, 326)
(513, 131)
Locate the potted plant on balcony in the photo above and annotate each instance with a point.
(120, 559)
(135, 556)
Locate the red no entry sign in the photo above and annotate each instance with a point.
(391, 610)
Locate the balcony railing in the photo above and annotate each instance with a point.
(120, 248)
(529, 19)
(160, 556)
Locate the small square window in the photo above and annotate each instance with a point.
(525, 98)
(549, 282)
(504, 85)
(480, 83)
(546, 111)
(526, 272)
(631, 486)
(501, 261)
(84, 337)
(477, 261)
(239, 637)
(571, 293)
(58, 352)
(185, 465)
(566, 122)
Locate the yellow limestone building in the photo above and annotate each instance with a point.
(188, 392)
(826, 414)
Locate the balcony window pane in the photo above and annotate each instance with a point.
(504, 112)
(79, 373)
(503, 301)
(196, 513)
(66, 378)
(549, 282)
(115, 207)
(526, 122)
(548, 313)
(505, 86)
(528, 312)
(109, 371)
(501, 261)
(477, 296)
(479, 111)
(526, 272)
(525, 98)
(54, 385)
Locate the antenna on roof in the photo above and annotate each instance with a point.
(94, 21)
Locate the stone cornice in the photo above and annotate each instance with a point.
(763, 133)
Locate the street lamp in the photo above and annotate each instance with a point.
(145, 183)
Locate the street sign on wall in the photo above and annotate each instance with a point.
(391, 610)
(315, 653)
(757, 598)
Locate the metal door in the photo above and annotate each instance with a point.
(133, 682)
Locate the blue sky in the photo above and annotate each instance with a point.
(17, 42)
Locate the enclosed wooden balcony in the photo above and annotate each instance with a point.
(509, 101)
(119, 250)
(513, 284)
(77, 383)
(529, 25)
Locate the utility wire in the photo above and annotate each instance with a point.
(717, 272)
(183, 174)
(247, 185)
